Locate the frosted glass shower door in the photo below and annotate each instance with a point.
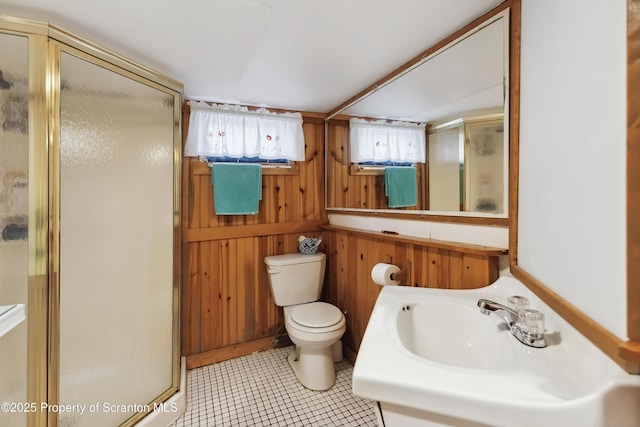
(116, 243)
(14, 245)
(484, 169)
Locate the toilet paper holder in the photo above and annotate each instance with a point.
(402, 276)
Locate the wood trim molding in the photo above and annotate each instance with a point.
(349, 354)
(239, 231)
(432, 243)
(514, 127)
(230, 352)
(633, 170)
(624, 353)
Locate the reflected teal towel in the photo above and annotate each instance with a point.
(400, 186)
(237, 188)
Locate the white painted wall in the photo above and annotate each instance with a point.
(497, 237)
(572, 233)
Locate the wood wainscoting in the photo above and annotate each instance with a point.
(227, 309)
(351, 255)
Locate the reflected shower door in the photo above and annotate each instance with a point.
(116, 243)
(444, 170)
(484, 168)
(14, 204)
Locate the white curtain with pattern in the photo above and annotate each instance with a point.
(383, 141)
(235, 131)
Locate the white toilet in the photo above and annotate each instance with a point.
(314, 327)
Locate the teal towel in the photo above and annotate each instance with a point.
(237, 188)
(400, 186)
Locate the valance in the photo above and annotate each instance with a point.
(382, 141)
(235, 131)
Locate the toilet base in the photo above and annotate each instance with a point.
(313, 367)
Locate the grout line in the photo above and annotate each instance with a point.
(260, 389)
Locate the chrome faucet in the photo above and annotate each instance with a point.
(526, 333)
(488, 306)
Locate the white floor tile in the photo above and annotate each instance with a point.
(261, 390)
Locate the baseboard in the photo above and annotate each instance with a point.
(229, 352)
(349, 354)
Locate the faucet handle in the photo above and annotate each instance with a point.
(519, 304)
(533, 322)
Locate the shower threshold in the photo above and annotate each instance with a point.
(10, 317)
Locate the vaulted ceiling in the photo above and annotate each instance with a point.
(307, 55)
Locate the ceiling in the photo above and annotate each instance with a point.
(306, 55)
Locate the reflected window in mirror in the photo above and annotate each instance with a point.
(377, 144)
(393, 149)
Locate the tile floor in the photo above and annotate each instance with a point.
(261, 390)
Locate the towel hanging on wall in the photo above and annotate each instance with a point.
(237, 188)
(400, 186)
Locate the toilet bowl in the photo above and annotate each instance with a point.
(314, 327)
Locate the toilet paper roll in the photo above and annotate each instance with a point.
(381, 274)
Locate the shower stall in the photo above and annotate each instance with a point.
(90, 159)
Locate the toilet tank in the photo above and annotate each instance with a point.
(295, 278)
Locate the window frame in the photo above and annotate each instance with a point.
(203, 166)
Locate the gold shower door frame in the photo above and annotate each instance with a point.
(46, 44)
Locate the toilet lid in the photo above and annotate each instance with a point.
(316, 315)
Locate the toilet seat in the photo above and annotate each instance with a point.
(316, 317)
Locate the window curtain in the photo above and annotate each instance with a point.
(381, 141)
(234, 131)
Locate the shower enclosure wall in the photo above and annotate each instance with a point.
(89, 231)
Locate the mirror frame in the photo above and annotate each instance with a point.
(439, 216)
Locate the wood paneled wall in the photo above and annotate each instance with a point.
(347, 190)
(351, 256)
(227, 308)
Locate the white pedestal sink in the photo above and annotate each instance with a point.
(432, 359)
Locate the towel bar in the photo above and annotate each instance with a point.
(264, 165)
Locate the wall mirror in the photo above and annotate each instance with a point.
(459, 88)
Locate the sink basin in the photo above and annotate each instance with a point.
(429, 355)
(463, 337)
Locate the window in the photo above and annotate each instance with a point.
(234, 132)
